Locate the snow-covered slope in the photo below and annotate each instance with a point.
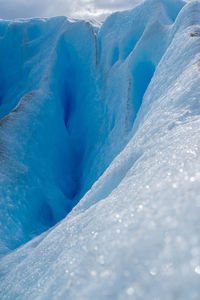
(107, 117)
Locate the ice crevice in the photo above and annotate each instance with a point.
(69, 145)
(95, 123)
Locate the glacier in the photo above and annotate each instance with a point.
(99, 155)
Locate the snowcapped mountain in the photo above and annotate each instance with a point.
(100, 155)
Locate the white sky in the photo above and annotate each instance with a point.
(10, 9)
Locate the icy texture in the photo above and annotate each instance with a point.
(109, 116)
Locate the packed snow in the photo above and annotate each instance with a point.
(100, 155)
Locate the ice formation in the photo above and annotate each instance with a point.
(99, 156)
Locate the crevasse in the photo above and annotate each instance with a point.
(103, 122)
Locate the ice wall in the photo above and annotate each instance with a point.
(49, 122)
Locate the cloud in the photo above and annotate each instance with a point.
(10, 9)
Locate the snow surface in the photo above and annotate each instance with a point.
(103, 122)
